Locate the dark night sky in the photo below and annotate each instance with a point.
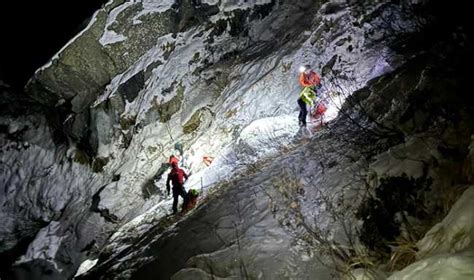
(31, 32)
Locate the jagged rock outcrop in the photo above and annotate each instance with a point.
(147, 79)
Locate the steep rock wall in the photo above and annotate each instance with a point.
(298, 214)
(150, 78)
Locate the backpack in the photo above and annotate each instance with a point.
(319, 110)
(191, 200)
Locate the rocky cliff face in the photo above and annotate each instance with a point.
(83, 165)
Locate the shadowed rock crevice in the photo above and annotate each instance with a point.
(104, 213)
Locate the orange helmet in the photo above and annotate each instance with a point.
(173, 159)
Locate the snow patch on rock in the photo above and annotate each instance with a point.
(459, 266)
(153, 6)
(263, 137)
(45, 246)
(111, 37)
(228, 6)
(86, 266)
(446, 251)
(455, 233)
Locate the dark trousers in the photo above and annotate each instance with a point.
(303, 111)
(176, 193)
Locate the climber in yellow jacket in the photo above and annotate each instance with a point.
(307, 96)
(309, 80)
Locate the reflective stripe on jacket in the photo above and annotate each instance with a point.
(308, 95)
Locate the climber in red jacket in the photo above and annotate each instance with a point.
(176, 177)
